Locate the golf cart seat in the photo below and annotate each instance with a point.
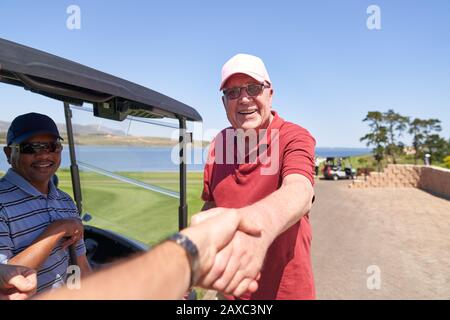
(104, 246)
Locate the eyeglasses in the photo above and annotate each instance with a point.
(37, 147)
(253, 90)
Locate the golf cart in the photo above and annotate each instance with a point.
(338, 168)
(112, 99)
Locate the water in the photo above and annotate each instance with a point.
(141, 159)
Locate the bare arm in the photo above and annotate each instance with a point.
(284, 207)
(274, 214)
(163, 272)
(35, 255)
(83, 263)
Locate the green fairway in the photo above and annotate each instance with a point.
(141, 214)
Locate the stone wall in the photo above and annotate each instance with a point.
(436, 181)
(432, 179)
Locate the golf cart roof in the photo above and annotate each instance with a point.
(71, 82)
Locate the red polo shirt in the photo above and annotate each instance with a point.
(287, 271)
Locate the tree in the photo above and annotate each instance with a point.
(378, 135)
(437, 146)
(396, 124)
(421, 130)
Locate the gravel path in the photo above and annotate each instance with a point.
(403, 233)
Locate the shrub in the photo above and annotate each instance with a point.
(447, 161)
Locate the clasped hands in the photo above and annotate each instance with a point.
(235, 252)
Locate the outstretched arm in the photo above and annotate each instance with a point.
(163, 272)
(35, 255)
(245, 253)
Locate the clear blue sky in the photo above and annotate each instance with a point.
(327, 68)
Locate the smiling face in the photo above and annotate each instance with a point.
(36, 168)
(248, 112)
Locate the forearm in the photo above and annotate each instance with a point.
(162, 273)
(83, 263)
(35, 255)
(283, 208)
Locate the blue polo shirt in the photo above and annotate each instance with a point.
(24, 214)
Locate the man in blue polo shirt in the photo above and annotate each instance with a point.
(38, 222)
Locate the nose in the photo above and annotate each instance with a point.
(43, 153)
(244, 98)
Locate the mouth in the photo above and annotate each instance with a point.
(43, 165)
(246, 112)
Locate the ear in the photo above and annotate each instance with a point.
(224, 102)
(7, 151)
(270, 97)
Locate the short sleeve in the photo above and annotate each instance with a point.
(6, 244)
(298, 153)
(80, 248)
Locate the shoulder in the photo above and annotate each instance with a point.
(293, 132)
(5, 185)
(223, 134)
(220, 140)
(9, 192)
(63, 196)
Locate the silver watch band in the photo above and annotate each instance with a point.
(192, 253)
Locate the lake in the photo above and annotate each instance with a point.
(141, 159)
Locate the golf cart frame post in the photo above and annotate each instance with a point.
(112, 98)
(184, 138)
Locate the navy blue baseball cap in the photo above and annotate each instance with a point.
(27, 125)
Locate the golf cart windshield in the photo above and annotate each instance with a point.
(113, 165)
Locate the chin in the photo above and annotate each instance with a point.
(251, 126)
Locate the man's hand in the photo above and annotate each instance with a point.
(72, 230)
(236, 267)
(17, 282)
(212, 231)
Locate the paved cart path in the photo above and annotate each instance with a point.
(403, 232)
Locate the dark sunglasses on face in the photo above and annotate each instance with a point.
(37, 147)
(253, 90)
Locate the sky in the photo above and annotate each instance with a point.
(328, 69)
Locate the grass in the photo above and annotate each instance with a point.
(369, 161)
(133, 211)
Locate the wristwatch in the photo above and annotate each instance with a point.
(192, 253)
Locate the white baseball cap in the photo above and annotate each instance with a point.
(246, 64)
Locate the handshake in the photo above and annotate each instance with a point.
(231, 250)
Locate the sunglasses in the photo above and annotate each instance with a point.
(37, 147)
(253, 90)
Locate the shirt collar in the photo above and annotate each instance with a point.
(19, 181)
(276, 122)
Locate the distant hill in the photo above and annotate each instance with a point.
(91, 129)
(4, 125)
(95, 135)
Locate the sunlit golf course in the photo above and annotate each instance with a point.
(130, 210)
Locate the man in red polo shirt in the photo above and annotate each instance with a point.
(263, 167)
